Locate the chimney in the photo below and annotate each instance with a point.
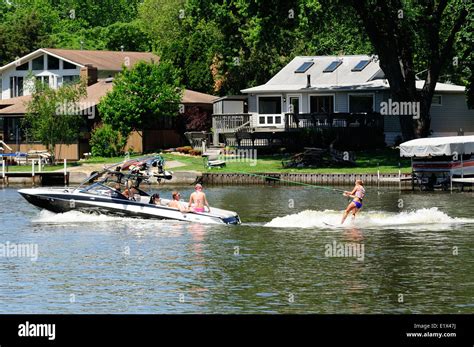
(90, 72)
(308, 81)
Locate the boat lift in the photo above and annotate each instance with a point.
(440, 162)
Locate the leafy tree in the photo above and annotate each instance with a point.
(25, 29)
(98, 13)
(106, 142)
(223, 47)
(399, 31)
(51, 116)
(183, 39)
(195, 119)
(77, 34)
(128, 35)
(141, 96)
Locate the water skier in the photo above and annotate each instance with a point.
(357, 194)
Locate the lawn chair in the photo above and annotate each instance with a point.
(211, 159)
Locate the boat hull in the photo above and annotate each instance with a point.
(65, 201)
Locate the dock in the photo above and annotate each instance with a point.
(38, 178)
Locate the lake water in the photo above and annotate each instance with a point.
(405, 253)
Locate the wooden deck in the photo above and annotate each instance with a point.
(352, 130)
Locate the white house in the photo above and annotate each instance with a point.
(58, 66)
(345, 85)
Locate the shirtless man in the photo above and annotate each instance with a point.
(175, 202)
(355, 205)
(198, 199)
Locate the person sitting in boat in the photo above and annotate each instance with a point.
(155, 199)
(130, 191)
(175, 202)
(198, 200)
(357, 194)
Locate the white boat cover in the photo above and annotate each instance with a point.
(438, 146)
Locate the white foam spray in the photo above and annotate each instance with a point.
(428, 218)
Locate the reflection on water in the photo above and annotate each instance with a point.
(274, 262)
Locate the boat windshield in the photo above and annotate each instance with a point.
(102, 190)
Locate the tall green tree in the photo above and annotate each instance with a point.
(53, 115)
(140, 96)
(130, 36)
(223, 47)
(400, 32)
(25, 29)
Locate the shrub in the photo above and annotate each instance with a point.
(195, 152)
(185, 149)
(106, 142)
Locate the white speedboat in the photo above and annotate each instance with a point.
(107, 197)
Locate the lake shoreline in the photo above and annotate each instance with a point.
(240, 178)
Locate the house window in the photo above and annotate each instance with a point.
(437, 100)
(13, 130)
(70, 79)
(22, 67)
(361, 103)
(53, 63)
(321, 104)
(304, 67)
(294, 105)
(43, 79)
(1, 129)
(261, 120)
(16, 86)
(269, 105)
(38, 63)
(278, 120)
(270, 120)
(68, 66)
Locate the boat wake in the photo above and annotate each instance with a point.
(77, 218)
(426, 218)
(48, 217)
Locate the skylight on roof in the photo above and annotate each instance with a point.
(304, 67)
(361, 65)
(333, 66)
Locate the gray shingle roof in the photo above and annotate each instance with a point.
(342, 79)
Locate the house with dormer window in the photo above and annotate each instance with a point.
(342, 97)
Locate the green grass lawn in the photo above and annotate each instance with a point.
(385, 160)
(105, 160)
(27, 168)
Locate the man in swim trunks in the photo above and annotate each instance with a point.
(198, 200)
(357, 194)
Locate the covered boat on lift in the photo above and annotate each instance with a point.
(437, 160)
